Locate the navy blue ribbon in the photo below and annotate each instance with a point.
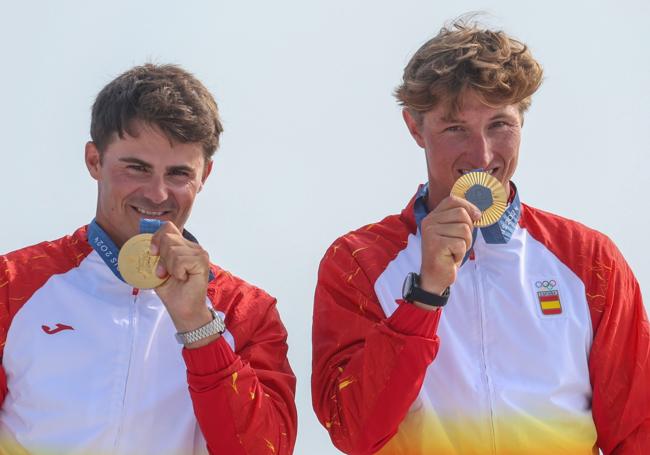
(502, 230)
(105, 247)
(109, 252)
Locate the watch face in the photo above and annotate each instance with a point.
(408, 285)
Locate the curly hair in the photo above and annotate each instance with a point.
(162, 95)
(464, 57)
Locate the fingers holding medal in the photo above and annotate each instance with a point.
(146, 261)
(477, 199)
(446, 236)
(186, 266)
(177, 269)
(180, 259)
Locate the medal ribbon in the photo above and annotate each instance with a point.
(149, 226)
(109, 252)
(102, 243)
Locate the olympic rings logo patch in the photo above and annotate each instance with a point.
(548, 285)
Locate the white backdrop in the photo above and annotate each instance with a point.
(314, 144)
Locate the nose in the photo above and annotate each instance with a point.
(156, 190)
(479, 151)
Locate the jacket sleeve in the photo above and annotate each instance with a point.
(244, 401)
(4, 323)
(367, 369)
(619, 362)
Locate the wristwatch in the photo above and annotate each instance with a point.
(412, 292)
(211, 328)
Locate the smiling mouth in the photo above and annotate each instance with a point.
(489, 171)
(150, 213)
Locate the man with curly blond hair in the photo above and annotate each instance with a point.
(433, 335)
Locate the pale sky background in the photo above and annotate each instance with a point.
(314, 144)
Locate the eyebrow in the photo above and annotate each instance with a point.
(448, 118)
(139, 162)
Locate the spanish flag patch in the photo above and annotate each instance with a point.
(549, 302)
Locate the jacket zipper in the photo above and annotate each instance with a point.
(486, 376)
(133, 320)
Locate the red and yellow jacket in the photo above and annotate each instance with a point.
(543, 346)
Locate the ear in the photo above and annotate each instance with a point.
(93, 159)
(207, 169)
(413, 125)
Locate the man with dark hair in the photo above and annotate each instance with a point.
(543, 344)
(91, 363)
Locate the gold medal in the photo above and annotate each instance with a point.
(136, 265)
(485, 192)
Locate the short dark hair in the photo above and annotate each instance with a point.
(166, 96)
(500, 69)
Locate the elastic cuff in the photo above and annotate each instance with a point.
(408, 319)
(209, 359)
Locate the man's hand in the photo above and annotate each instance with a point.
(446, 237)
(184, 292)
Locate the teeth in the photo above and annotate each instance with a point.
(467, 171)
(145, 212)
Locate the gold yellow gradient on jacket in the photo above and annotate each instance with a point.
(422, 433)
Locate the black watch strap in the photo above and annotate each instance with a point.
(412, 292)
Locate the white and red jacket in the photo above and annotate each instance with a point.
(542, 348)
(91, 366)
